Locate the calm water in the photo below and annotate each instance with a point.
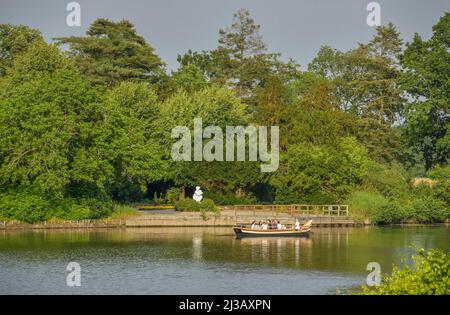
(202, 260)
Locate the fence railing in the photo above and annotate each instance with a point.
(293, 210)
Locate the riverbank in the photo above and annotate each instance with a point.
(170, 218)
(161, 218)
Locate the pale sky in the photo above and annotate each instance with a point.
(296, 28)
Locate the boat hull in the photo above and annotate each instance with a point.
(245, 232)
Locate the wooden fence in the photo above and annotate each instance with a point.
(293, 210)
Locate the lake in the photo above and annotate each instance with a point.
(203, 260)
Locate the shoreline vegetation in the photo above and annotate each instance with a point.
(428, 274)
(188, 214)
(86, 130)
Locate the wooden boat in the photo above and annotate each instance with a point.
(247, 231)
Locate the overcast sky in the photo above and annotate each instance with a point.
(296, 28)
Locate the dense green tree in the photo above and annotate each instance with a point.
(322, 174)
(317, 118)
(426, 79)
(216, 106)
(187, 77)
(382, 141)
(15, 40)
(367, 85)
(48, 112)
(366, 78)
(113, 52)
(127, 138)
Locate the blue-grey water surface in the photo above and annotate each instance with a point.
(203, 260)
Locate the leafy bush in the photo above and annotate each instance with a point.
(208, 205)
(366, 204)
(422, 208)
(429, 275)
(28, 206)
(428, 210)
(441, 189)
(188, 204)
(82, 208)
(391, 212)
(391, 182)
(173, 194)
(25, 206)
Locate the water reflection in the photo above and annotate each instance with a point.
(197, 248)
(184, 260)
(282, 250)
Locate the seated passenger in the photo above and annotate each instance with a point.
(297, 224)
(279, 227)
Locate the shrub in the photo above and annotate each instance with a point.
(429, 275)
(428, 210)
(187, 204)
(208, 205)
(25, 206)
(173, 194)
(194, 206)
(389, 213)
(366, 204)
(441, 189)
(82, 208)
(391, 182)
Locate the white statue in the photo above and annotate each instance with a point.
(198, 194)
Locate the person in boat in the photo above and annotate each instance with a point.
(265, 225)
(253, 225)
(279, 227)
(297, 225)
(274, 224)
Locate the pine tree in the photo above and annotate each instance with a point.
(113, 52)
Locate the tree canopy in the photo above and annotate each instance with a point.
(112, 52)
(91, 124)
